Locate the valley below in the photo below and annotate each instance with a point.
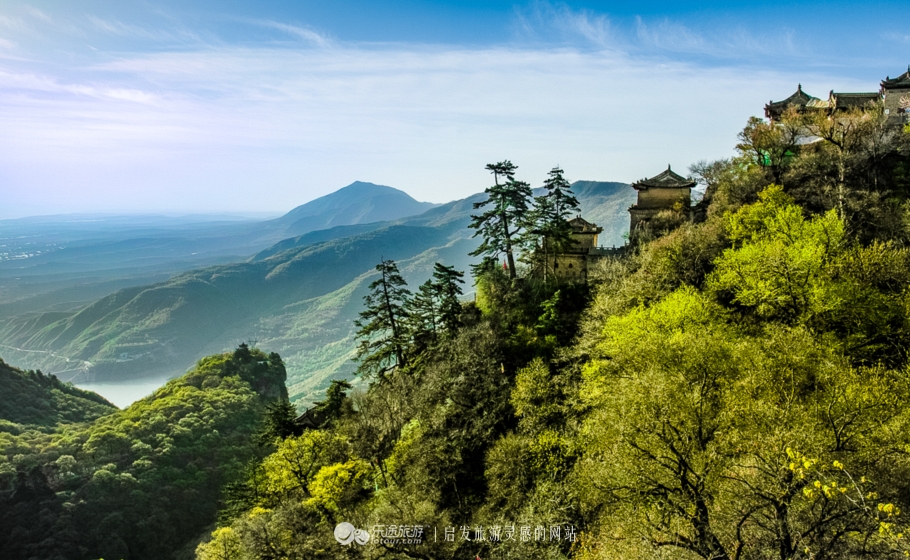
(298, 296)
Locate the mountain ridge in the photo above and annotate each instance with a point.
(65, 262)
(317, 278)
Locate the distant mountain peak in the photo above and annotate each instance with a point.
(369, 185)
(360, 202)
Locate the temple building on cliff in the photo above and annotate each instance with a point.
(665, 191)
(893, 93)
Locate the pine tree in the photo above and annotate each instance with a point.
(547, 228)
(501, 224)
(446, 282)
(563, 201)
(381, 328)
(423, 317)
(435, 310)
(280, 422)
(333, 405)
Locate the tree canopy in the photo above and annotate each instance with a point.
(500, 225)
(381, 328)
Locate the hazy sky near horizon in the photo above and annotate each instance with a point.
(232, 106)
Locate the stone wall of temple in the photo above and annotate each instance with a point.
(897, 101)
(571, 268)
(662, 198)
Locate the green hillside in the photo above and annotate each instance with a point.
(142, 482)
(61, 262)
(733, 387)
(32, 398)
(299, 297)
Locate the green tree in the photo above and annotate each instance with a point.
(333, 405)
(857, 143)
(381, 328)
(423, 316)
(772, 146)
(501, 224)
(725, 421)
(563, 204)
(435, 310)
(548, 228)
(279, 423)
(447, 289)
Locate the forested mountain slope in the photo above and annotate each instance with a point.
(140, 483)
(735, 388)
(32, 398)
(298, 297)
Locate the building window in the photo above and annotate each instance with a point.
(570, 265)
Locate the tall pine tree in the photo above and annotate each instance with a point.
(446, 282)
(547, 230)
(423, 318)
(501, 223)
(435, 310)
(381, 328)
(333, 405)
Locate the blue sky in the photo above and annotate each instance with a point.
(260, 106)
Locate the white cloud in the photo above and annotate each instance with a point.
(671, 36)
(12, 22)
(299, 32)
(120, 29)
(897, 37)
(192, 130)
(38, 14)
(711, 41)
(19, 82)
(547, 21)
(203, 125)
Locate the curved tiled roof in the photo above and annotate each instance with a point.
(800, 98)
(848, 100)
(902, 81)
(581, 225)
(666, 180)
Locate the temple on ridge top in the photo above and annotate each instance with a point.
(894, 94)
(666, 191)
(571, 265)
(800, 100)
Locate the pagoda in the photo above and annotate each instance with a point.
(661, 192)
(800, 100)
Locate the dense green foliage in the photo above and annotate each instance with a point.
(142, 482)
(32, 398)
(735, 389)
